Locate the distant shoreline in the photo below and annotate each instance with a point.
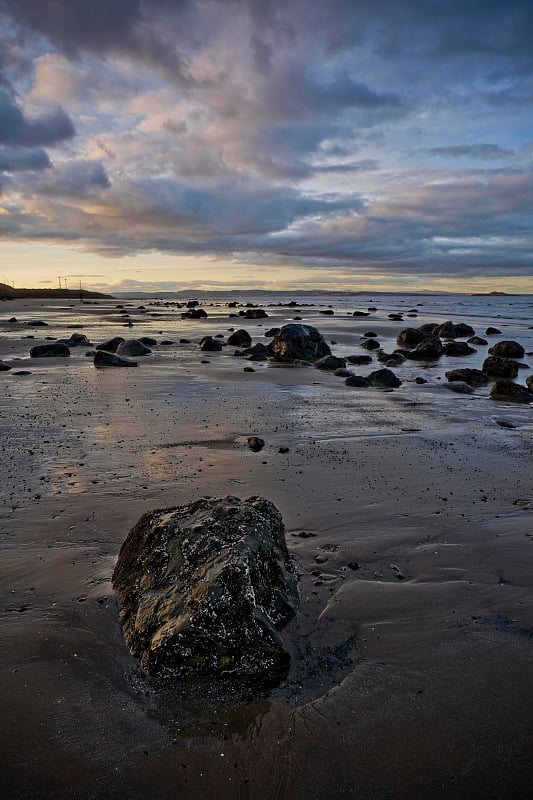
(9, 293)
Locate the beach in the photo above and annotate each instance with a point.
(412, 650)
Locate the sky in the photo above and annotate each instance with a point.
(150, 145)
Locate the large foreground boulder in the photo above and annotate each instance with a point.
(497, 367)
(507, 349)
(204, 590)
(298, 342)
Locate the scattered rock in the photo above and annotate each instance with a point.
(330, 362)
(133, 347)
(500, 367)
(507, 349)
(462, 330)
(420, 380)
(148, 341)
(370, 344)
(254, 313)
(384, 379)
(328, 311)
(37, 323)
(458, 349)
(255, 443)
(205, 588)
(358, 381)
(298, 342)
(248, 369)
(283, 450)
(410, 337)
(446, 330)
(185, 341)
(370, 335)
(359, 359)
(272, 332)
(194, 313)
(240, 338)
(492, 331)
(55, 350)
(473, 377)
(460, 387)
(477, 340)
(510, 392)
(4, 367)
(105, 359)
(342, 372)
(361, 314)
(529, 382)
(110, 346)
(428, 350)
(210, 345)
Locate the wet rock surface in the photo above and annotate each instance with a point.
(205, 588)
(298, 342)
(511, 392)
(55, 350)
(105, 359)
(507, 349)
(498, 367)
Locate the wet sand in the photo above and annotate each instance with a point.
(411, 672)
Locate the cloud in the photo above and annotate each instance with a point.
(477, 151)
(46, 129)
(14, 159)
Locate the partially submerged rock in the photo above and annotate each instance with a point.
(473, 377)
(240, 338)
(507, 349)
(204, 590)
(429, 349)
(497, 367)
(133, 347)
(384, 379)
(330, 362)
(210, 345)
(111, 345)
(298, 342)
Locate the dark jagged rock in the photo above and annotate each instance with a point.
(298, 342)
(359, 359)
(370, 335)
(361, 314)
(55, 350)
(204, 590)
(529, 382)
(371, 344)
(428, 350)
(327, 311)
(383, 358)
(240, 338)
(477, 340)
(133, 347)
(272, 332)
(210, 345)
(492, 331)
(342, 372)
(148, 341)
(474, 377)
(462, 330)
(255, 443)
(458, 349)
(497, 367)
(105, 359)
(510, 392)
(507, 349)
(4, 367)
(357, 381)
(460, 387)
(384, 379)
(110, 346)
(330, 362)
(410, 337)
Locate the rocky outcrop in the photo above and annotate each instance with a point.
(507, 391)
(205, 588)
(53, 350)
(105, 359)
(296, 341)
(446, 330)
(497, 367)
(473, 377)
(240, 338)
(410, 337)
(507, 349)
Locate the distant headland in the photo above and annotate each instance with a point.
(9, 293)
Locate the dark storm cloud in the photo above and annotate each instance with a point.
(45, 129)
(14, 159)
(72, 179)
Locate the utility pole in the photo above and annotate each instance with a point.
(59, 276)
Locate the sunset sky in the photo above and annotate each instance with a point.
(339, 144)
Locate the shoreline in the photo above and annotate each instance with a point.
(416, 482)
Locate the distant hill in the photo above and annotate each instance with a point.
(8, 293)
